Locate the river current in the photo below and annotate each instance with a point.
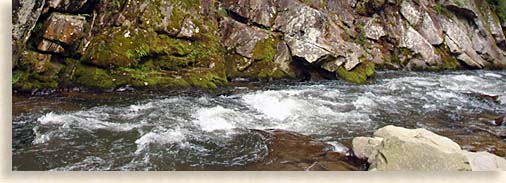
(194, 131)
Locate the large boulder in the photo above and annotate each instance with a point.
(411, 149)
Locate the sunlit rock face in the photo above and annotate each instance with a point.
(180, 44)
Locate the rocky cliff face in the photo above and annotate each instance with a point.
(206, 43)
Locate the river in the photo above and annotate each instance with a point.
(198, 131)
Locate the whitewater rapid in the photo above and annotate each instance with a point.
(167, 132)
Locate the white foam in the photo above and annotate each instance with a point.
(85, 120)
(465, 78)
(364, 103)
(90, 163)
(339, 147)
(172, 136)
(40, 138)
(443, 95)
(502, 99)
(215, 118)
(277, 105)
(493, 75)
(134, 111)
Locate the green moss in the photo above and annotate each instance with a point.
(316, 4)
(361, 38)
(127, 47)
(359, 74)
(222, 12)
(265, 50)
(26, 81)
(35, 71)
(206, 80)
(501, 10)
(442, 10)
(187, 4)
(93, 77)
(460, 3)
(449, 61)
(16, 76)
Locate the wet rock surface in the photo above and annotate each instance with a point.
(290, 151)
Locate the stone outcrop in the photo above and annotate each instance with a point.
(396, 148)
(181, 44)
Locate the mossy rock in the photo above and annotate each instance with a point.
(122, 47)
(359, 74)
(256, 70)
(449, 62)
(93, 77)
(265, 50)
(27, 80)
(206, 80)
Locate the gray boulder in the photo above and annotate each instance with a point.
(410, 149)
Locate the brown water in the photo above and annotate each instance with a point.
(194, 131)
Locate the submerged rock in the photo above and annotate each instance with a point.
(293, 151)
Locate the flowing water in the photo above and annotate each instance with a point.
(191, 131)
